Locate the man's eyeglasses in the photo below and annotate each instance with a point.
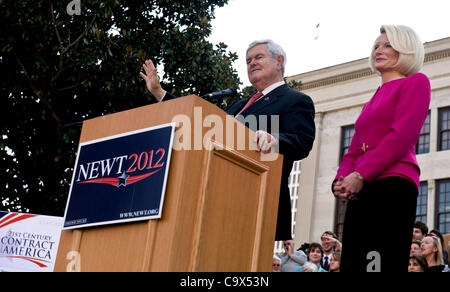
(275, 265)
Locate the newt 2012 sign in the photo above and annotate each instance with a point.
(120, 178)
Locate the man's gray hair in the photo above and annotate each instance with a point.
(273, 49)
(308, 266)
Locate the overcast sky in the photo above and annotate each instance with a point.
(346, 32)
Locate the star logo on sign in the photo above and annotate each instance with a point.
(123, 180)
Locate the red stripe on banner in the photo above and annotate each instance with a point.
(33, 260)
(8, 217)
(115, 181)
(20, 218)
(134, 179)
(108, 180)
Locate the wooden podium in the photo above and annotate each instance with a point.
(220, 207)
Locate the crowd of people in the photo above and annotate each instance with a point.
(310, 257)
(428, 253)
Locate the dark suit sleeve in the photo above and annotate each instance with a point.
(297, 128)
(169, 96)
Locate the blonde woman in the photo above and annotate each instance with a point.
(379, 175)
(431, 249)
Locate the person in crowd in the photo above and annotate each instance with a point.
(276, 264)
(420, 230)
(294, 110)
(291, 259)
(438, 234)
(304, 247)
(308, 267)
(330, 244)
(335, 264)
(315, 253)
(415, 247)
(379, 175)
(417, 263)
(432, 251)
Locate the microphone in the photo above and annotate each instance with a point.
(229, 92)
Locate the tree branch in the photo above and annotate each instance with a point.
(68, 87)
(61, 46)
(39, 95)
(56, 29)
(43, 98)
(80, 36)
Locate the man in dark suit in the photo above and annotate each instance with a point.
(295, 112)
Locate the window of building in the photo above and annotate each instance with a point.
(346, 139)
(421, 210)
(347, 133)
(443, 206)
(444, 129)
(423, 144)
(294, 182)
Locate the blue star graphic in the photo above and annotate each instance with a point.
(123, 180)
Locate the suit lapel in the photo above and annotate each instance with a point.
(237, 106)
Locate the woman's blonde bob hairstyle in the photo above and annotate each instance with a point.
(409, 46)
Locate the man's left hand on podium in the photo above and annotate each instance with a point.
(264, 141)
